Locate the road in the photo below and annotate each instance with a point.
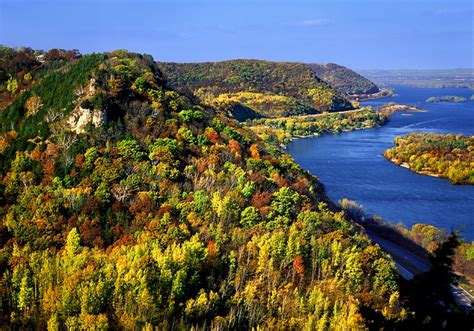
(410, 264)
(462, 297)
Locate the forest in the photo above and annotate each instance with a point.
(125, 204)
(280, 131)
(165, 213)
(344, 79)
(251, 88)
(444, 155)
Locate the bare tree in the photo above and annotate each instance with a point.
(52, 116)
(79, 92)
(121, 192)
(66, 141)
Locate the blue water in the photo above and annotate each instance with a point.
(351, 164)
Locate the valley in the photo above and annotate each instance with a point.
(136, 197)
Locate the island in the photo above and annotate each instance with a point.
(441, 155)
(446, 98)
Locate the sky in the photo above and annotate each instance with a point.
(361, 34)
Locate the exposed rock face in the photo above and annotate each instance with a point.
(80, 117)
(92, 86)
(83, 116)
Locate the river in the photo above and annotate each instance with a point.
(351, 165)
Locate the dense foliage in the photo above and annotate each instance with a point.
(19, 67)
(159, 212)
(343, 79)
(269, 89)
(430, 238)
(282, 130)
(449, 156)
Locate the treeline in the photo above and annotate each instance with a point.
(280, 131)
(446, 98)
(269, 89)
(425, 78)
(163, 213)
(450, 260)
(19, 67)
(343, 79)
(444, 155)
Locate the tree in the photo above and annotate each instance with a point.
(254, 151)
(32, 105)
(73, 241)
(285, 201)
(25, 295)
(12, 85)
(186, 135)
(430, 293)
(249, 217)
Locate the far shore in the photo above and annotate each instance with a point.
(391, 108)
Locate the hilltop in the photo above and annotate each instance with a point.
(127, 204)
(254, 88)
(343, 79)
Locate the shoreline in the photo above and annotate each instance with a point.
(391, 109)
(384, 92)
(407, 166)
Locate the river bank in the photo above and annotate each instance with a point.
(438, 155)
(407, 166)
(281, 131)
(382, 93)
(351, 164)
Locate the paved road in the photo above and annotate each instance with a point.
(462, 297)
(410, 264)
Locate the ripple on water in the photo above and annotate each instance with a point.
(351, 165)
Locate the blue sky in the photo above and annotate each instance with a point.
(361, 34)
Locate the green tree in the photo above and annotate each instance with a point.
(249, 217)
(73, 241)
(285, 201)
(12, 85)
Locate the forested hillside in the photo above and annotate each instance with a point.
(343, 79)
(442, 155)
(252, 88)
(126, 205)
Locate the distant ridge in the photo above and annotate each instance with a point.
(343, 79)
(262, 88)
(436, 78)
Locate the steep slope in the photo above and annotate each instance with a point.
(252, 88)
(126, 205)
(343, 79)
